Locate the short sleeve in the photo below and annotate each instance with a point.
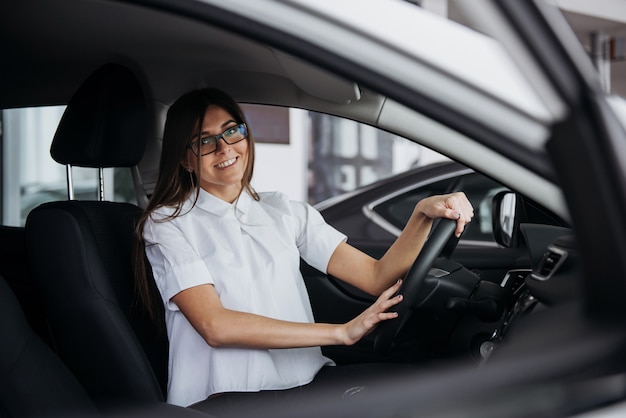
(316, 240)
(175, 264)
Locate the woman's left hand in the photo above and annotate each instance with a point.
(374, 276)
(452, 206)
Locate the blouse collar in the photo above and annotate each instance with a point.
(246, 209)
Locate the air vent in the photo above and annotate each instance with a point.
(550, 263)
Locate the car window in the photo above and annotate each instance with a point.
(31, 177)
(325, 155)
(479, 189)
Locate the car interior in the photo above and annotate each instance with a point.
(79, 338)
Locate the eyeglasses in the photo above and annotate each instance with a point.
(208, 144)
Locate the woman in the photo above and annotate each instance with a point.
(226, 261)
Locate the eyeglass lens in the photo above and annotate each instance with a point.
(232, 135)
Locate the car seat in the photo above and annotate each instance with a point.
(33, 380)
(81, 251)
(15, 270)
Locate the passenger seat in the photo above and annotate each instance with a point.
(81, 251)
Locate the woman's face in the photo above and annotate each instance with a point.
(223, 170)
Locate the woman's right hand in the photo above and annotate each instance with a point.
(365, 323)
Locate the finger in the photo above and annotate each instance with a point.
(389, 303)
(459, 202)
(385, 316)
(460, 222)
(451, 213)
(460, 226)
(391, 290)
(383, 304)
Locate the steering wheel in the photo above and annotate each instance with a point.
(441, 238)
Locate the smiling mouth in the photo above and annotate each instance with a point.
(226, 163)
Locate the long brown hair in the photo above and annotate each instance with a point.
(175, 184)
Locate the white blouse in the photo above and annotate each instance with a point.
(250, 251)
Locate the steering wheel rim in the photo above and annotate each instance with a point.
(437, 241)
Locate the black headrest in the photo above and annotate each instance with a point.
(105, 122)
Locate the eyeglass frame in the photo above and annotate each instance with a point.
(217, 139)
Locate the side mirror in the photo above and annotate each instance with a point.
(506, 210)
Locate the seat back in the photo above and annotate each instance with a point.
(15, 269)
(81, 251)
(33, 380)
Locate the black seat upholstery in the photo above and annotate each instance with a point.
(33, 380)
(15, 270)
(81, 251)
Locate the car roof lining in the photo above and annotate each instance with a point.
(144, 33)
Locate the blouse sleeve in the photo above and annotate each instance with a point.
(176, 266)
(316, 240)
